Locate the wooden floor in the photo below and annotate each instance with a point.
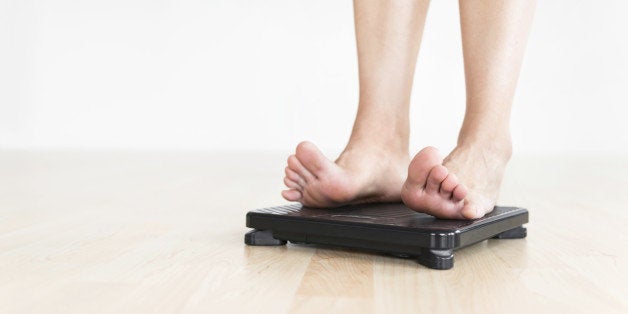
(163, 233)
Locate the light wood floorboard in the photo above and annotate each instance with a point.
(151, 232)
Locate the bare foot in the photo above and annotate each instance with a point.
(362, 173)
(431, 189)
(463, 186)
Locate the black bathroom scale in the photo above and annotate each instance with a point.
(389, 228)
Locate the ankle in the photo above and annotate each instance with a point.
(491, 135)
(374, 151)
(498, 146)
(381, 131)
(380, 145)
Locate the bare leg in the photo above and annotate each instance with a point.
(373, 165)
(466, 183)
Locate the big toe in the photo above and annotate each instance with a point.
(471, 211)
(475, 208)
(422, 164)
(312, 158)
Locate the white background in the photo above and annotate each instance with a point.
(263, 75)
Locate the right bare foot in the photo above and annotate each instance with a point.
(362, 174)
(430, 187)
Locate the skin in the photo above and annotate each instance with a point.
(374, 165)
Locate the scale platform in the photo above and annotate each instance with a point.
(389, 228)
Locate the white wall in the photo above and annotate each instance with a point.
(240, 74)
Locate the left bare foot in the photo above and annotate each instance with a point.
(464, 185)
(362, 174)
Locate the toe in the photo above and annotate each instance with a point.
(312, 158)
(290, 174)
(291, 184)
(295, 165)
(460, 192)
(448, 185)
(471, 211)
(475, 209)
(291, 195)
(421, 164)
(436, 177)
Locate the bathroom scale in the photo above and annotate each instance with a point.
(390, 228)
